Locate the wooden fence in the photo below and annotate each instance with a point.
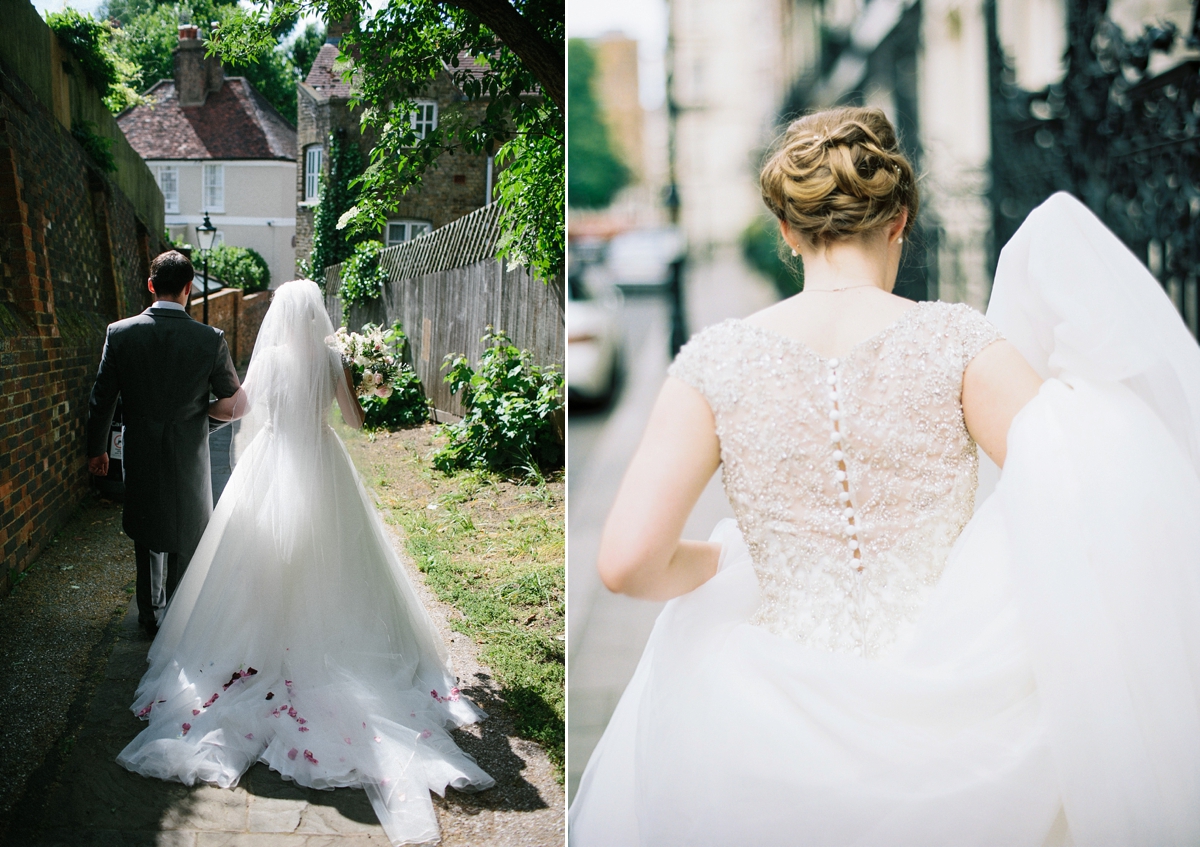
(446, 288)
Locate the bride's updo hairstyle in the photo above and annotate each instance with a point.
(838, 174)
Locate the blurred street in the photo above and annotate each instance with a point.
(607, 632)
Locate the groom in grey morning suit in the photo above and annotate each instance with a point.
(163, 364)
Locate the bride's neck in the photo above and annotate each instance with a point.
(847, 264)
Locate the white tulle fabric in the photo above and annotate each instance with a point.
(295, 637)
(1050, 691)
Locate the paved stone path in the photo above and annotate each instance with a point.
(80, 797)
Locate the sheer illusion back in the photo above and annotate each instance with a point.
(852, 477)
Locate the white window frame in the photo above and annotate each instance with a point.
(411, 228)
(214, 187)
(313, 156)
(167, 177)
(425, 119)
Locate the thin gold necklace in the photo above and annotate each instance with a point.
(844, 288)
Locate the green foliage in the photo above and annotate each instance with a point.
(98, 147)
(511, 404)
(333, 244)
(529, 187)
(303, 50)
(93, 45)
(148, 34)
(405, 406)
(597, 174)
(763, 248)
(362, 277)
(400, 47)
(239, 267)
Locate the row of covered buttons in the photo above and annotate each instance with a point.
(839, 456)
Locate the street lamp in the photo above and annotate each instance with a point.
(206, 234)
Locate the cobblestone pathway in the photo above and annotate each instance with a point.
(69, 665)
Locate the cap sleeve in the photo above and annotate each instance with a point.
(701, 362)
(975, 332)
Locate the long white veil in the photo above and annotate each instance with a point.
(291, 384)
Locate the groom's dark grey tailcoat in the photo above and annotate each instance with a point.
(163, 365)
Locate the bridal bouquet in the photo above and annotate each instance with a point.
(388, 388)
(371, 358)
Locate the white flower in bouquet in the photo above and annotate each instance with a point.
(384, 391)
(378, 379)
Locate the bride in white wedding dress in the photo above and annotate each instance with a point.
(295, 638)
(880, 651)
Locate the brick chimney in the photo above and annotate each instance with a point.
(195, 76)
(334, 30)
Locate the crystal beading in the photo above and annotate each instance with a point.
(848, 536)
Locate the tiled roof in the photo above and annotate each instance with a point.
(235, 122)
(324, 77)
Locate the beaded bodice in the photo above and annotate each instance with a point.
(850, 478)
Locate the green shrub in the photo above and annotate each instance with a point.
(405, 406)
(239, 267)
(511, 404)
(90, 42)
(762, 246)
(362, 277)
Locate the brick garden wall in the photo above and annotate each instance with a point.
(236, 314)
(74, 256)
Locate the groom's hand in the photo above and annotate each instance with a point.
(98, 465)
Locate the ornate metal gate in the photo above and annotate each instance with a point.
(1123, 141)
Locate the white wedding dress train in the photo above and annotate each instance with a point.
(1046, 688)
(295, 637)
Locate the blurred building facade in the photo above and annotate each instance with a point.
(998, 102)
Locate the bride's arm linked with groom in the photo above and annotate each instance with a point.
(163, 365)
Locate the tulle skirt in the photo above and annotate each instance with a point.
(295, 639)
(1050, 694)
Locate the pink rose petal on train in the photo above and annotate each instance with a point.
(250, 736)
(310, 757)
(145, 711)
(186, 727)
(195, 712)
(292, 753)
(304, 729)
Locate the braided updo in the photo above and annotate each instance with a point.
(839, 173)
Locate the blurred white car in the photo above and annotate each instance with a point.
(593, 343)
(642, 257)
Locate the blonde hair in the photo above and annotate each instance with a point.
(839, 173)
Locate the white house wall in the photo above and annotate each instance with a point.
(729, 79)
(260, 211)
(955, 124)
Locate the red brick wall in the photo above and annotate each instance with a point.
(73, 258)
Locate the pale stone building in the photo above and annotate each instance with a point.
(216, 145)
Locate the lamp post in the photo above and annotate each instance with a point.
(206, 233)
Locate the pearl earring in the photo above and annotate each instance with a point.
(900, 240)
(794, 253)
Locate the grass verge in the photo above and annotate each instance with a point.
(492, 549)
